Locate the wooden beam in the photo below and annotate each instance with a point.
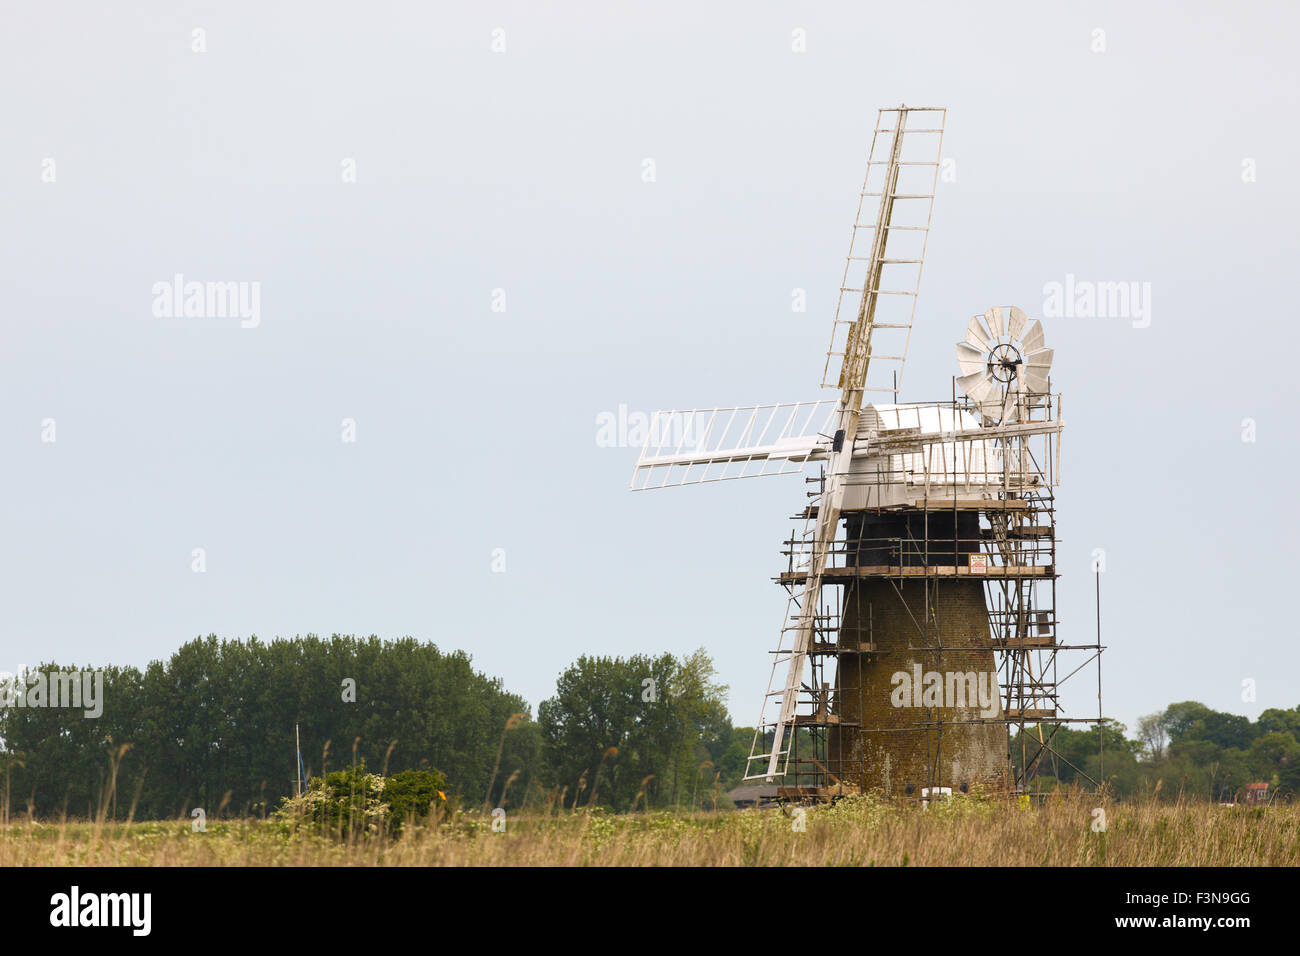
(843, 575)
(1033, 640)
(1029, 714)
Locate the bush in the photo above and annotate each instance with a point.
(346, 801)
(411, 794)
(352, 801)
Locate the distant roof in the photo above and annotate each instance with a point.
(753, 791)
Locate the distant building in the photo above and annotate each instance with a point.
(753, 795)
(1255, 794)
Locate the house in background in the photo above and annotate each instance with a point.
(753, 795)
(1255, 794)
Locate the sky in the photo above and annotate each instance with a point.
(460, 264)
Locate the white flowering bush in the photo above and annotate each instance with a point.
(343, 803)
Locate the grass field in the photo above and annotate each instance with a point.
(861, 832)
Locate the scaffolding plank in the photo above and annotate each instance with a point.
(842, 575)
(1029, 713)
(821, 720)
(1031, 531)
(1033, 640)
(969, 504)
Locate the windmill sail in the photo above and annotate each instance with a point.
(882, 273)
(902, 172)
(717, 444)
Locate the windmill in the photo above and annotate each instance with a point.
(919, 633)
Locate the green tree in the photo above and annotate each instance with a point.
(1179, 718)
(619, 727)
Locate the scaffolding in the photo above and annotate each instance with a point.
(963, 500)
(924, 499)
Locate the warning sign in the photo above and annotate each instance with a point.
(979, 563)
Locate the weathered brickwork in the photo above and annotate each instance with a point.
(894, 749)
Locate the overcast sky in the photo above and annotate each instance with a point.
(498, 146)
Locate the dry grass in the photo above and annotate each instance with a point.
(862, 832)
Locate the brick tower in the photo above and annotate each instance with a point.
(916, 691)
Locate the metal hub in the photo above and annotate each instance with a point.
(1003, 362)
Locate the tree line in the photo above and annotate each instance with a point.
(213, 726)
(1187, 749)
